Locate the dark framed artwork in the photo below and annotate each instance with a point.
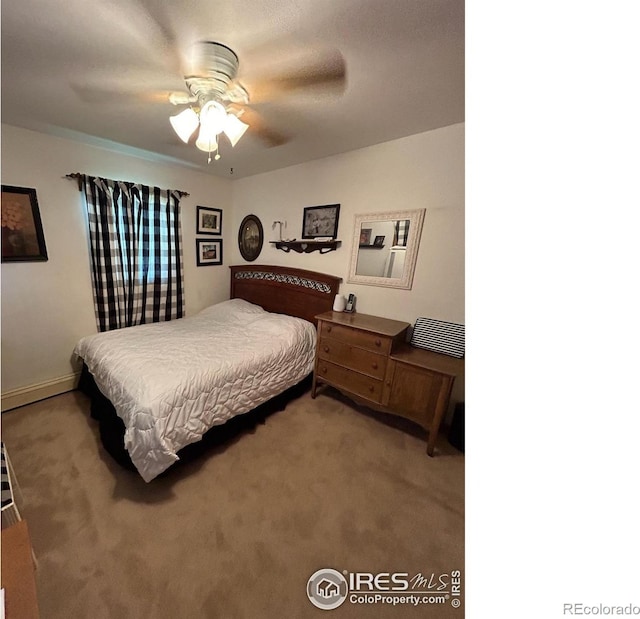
(209, 220)
(320, 221)
(379, 241)
(250, 238)
(22, 235)
(208, 252)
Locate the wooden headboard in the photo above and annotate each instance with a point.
(285, 290)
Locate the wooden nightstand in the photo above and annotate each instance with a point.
(367, 358)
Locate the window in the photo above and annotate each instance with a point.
(136, 252)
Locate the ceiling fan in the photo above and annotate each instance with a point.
(215, 103)
(211, 92)
(217, 100)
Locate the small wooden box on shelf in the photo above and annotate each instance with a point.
(367, 358)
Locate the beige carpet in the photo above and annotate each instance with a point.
(238, 532)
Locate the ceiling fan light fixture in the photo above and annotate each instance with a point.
(234, 128)
(213, 89)
(184, 124)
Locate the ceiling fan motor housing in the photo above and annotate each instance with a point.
(214, 67)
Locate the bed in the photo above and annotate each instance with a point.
(163, 386)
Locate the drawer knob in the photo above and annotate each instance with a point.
(323, 370)
(374, 366)
(326, 349)
(378, 343)
(329, 329)
(371, 388)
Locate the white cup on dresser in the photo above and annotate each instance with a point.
(339, 303)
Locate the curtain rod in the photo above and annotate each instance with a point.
(78, 177)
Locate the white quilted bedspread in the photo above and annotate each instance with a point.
(172, 381)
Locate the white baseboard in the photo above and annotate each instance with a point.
(34, 393)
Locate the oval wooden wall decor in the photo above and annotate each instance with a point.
(250, 238)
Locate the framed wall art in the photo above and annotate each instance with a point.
(320, 221)
(209, 220)
(208, 252)
(22, 235)
(365, 236)
(250, 238)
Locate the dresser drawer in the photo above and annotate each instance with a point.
(357, 337)
(357, 383)
(359, 359)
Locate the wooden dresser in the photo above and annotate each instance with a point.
(367, 358)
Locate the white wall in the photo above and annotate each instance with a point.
(420, 171)
(48, 306)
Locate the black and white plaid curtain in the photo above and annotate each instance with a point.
(136, 252)
(401, 234)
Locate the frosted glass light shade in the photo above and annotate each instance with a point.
(213, 117)
(207, 141)
(234, 128)
(184, 124)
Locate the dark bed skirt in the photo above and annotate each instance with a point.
(112, 427)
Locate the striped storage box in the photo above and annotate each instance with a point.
(10, 513)
(439, 336)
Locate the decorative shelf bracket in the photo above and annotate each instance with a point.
(306, 247)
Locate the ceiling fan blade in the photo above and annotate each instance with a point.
(329, 72)
(170, 50)
(259, 128)
(96, 95)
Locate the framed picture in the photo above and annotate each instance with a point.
(22, 236)
(365, 236)
(320, 221)
(208, 252)
(379, 241)
(250, 238)
(209, 220)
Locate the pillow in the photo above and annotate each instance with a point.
(233, 310)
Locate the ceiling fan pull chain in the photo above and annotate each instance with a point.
(217, 149)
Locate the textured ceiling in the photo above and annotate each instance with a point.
(95, 70)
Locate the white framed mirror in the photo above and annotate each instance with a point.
(385, 248)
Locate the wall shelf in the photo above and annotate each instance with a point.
(306, 247)
(370, 246)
